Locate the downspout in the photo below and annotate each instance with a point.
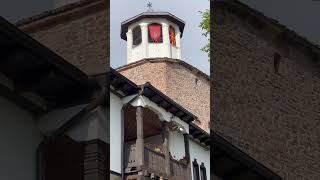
(100, 100)
(122, 128)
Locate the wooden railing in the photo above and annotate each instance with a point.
(178, 169)
(153, 161)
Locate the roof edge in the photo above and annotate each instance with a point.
(144, 15)
(167, 60)
(284, 31)
(59, 10)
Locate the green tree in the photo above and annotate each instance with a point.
(205, 26)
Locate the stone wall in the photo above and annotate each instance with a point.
(274, 117)
(78, 32)
(182, 83)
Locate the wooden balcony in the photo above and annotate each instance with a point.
(154, 162)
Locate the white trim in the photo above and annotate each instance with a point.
(162, 113)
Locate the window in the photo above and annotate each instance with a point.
(155, 33)
(203, 172)
(172, 36)
(276, 62)
(195, 168)
(136, 33)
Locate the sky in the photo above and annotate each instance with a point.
(187, 10)
(14, 10)
(301, 16)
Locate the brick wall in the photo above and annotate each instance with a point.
(190, 90)
(275, 118)
(176, 81)
(77, 32)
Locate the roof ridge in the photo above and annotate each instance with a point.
(187, 65)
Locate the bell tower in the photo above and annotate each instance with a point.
(152, 35)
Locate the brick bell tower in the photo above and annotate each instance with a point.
(152, 35)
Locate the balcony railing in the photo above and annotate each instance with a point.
(179, 169)
(153, 162)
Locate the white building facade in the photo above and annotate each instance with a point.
(167, 149)
(152, 136)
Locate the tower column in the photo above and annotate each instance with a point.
(129, 45)
(165, 145)
(140, 139)
(178, 44)
(144, 39)
(166, 40)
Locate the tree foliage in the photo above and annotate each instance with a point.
(205, 26)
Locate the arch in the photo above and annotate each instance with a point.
(155, 33)
(136, 36)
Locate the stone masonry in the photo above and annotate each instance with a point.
(78, 32)
(183, 83)
(273, 117)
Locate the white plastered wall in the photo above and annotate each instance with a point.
(176, 144)
(19, 137)
(202, 155)
(115, 133)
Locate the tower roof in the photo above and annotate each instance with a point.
(151, 14)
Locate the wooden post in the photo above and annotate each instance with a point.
(186, 147)
(187, 154)
(140, 140)
(165, 135)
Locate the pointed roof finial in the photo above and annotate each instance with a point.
(149, 5)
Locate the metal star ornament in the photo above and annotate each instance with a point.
(149, 5)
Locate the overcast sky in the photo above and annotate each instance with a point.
(187, 10)
(301, 16)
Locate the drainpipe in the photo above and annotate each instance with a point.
(122, 127)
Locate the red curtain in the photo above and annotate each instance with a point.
(155, 33)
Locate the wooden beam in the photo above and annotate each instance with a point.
(186, 147)
(20, 100)
(32, 82)
(235, 172)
